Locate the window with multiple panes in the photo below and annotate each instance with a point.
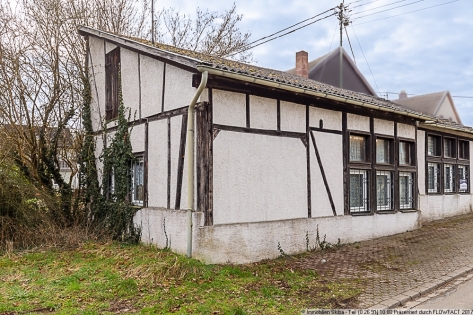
(448, 167)
(112, 84)
(372, 173)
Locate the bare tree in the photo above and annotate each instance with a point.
(211, 33)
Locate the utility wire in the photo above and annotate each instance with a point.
(360, 17)
(360, 5)
(350, 44)
(365, 59)
(381, 6)
(268, 40)
(408, 12)
(284, 29)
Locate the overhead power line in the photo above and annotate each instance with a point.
(385, 18)
(381, 6)
(365, 58)
(248, 47)
(360, 5)
(400, 6)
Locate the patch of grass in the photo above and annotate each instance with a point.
(107, 278)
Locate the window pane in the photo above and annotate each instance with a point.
(382, 151)
(384, 199)
(448, 148)
(463, 149)
(357, 148)
(449, 176)
(138, 180)
(359, 191)
(463, 175)
(431, 145)
(404, 153)
(406, 187)
(433, 176)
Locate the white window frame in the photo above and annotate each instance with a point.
(139, 162)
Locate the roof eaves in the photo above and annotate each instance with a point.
(129, 42)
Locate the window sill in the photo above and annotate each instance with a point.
(362, 214)
(408, 210)
(386, 212)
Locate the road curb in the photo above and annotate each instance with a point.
(422, 290)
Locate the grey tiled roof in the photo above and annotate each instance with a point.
(195, 59)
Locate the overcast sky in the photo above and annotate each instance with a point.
(426, 51)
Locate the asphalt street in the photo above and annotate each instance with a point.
(458, 297)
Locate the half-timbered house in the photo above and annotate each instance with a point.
(277, 156)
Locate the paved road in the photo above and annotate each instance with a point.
(459, 297)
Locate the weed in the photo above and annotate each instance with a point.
(281, 251)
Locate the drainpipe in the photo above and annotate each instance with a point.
(190, 160)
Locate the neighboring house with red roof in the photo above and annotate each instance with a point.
(279, 157)
(439, 104)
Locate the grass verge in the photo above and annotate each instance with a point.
(112, 278)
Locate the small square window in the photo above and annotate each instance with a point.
(406, 188)
(406, 153)
(383, 150)
(463, 178)
(359, 193)
(384, 193)
(433, 177)
(449, 150)
(358, 148)
(449, 178)
(433, 145)
(463, 149)
(137, 192)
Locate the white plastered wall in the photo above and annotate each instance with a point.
(98, 152)
(331, 119)
(248, 242)
(97, 81)
(157, 163)
(357, 122)
(293, 117)
(151, 85)
(228, 108)
(130, 82)
(258, 178)
(406, 131)
(331, 155)
(178, 91)
(384, 127)
(137, 138)
(263, 113)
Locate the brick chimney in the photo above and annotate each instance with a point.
(302, 64)
(403, 95)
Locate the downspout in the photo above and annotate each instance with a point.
(190, 160)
